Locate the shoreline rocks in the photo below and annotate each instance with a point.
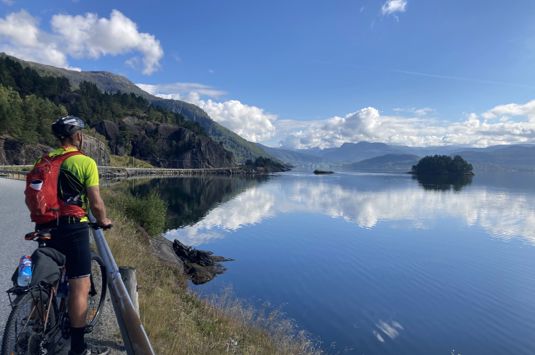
(199, 266)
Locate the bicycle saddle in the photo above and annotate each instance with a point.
(38, 235)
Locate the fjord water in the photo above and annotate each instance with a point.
(373, 264)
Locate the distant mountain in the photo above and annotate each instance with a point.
(346, 154)
(113, 83)
(389, 163)
(293, 157)
(354, 152)
(361, 156)
(501, 158)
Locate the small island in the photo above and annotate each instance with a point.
(323, 172)
(443, 172)
(442, 165)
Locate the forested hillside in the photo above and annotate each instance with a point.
(129, 124)
(241, 149)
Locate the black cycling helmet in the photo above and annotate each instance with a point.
(66, 126)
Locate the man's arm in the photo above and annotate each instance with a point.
(97, 205)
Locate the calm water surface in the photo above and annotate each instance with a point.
(374, 264)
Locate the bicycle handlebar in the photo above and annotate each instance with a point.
(96, 226)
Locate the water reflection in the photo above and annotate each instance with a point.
(189, 199)
(387, 329)
(365, 203)
(444, 182)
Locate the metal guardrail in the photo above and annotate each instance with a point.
(134, 336)
(111, 172)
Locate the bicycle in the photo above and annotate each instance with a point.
(39, 319)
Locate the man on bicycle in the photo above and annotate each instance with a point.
(78, 185)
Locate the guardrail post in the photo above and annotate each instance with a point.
(128, 274)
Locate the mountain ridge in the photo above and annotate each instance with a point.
(512, 157)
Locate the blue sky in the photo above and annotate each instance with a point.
(308, 73)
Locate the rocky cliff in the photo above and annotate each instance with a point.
(242, 149)
(13, 151)
(165, 145)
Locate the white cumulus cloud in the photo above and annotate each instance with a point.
(91, 36)
(81, 36)
(250, 122)
(503, 124)
(366, 124)
(20, 36)
(512, 110)
(393, 6)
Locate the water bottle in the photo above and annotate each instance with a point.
(25, 271)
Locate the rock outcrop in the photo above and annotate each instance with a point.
(199, 265)
(13, 151)
(97, 150)
(163, 144)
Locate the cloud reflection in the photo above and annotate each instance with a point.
(501, 214)
(390, 330)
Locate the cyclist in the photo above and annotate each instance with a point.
(78, 184)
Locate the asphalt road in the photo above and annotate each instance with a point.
(14, 224)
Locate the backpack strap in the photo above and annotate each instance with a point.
(64, 156)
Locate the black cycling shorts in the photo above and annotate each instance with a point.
(73, 241)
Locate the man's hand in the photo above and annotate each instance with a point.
(105, 223)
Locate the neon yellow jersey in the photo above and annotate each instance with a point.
(81, 166)
(77, 173)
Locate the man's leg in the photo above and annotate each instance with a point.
(78, 294)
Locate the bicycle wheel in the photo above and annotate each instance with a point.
(97, 292)
(29, 324)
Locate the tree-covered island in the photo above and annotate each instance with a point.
(442, 165)
(442, 172)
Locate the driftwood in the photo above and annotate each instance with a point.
(201, 266)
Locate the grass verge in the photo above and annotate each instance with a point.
(178, 321)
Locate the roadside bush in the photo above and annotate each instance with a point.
(149, 211)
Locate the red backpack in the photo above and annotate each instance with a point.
(42, 191)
